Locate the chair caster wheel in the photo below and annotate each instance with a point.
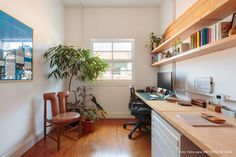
(130, 137)
(124, 126)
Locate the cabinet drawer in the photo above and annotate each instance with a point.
(158, 135)
(160, 124)
(165, 138)
(159, 149)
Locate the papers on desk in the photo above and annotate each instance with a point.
(154, 96)
(197, 121)
(149, 96)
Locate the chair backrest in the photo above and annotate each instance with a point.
(132, 96)
(132, 93)
(54, 105)
(62, 96)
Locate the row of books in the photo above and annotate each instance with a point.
(211, 34)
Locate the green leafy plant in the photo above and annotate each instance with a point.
(154, 40)
(88, 103)
(176, 45)
(91, 114)
(68, 62)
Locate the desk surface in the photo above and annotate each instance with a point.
(216, 141)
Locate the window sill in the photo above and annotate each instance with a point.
(113, 83)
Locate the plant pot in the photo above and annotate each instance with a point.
(87, 126)
(154, 45)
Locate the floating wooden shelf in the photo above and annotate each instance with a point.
(203, 50)
(202, 14)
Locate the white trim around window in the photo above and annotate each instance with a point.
(119, 53)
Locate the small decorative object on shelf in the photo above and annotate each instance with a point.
(233, 25)
(176, 46)
(154, 41)
(184, 47)
(225, 28)
(167, 54)
(233, 30)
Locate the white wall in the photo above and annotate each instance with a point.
(218, 65)
(182, 6)
(167, 14)
(117, 23)
(21, 103)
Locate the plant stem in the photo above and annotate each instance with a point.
(70, 80)
(73, 91)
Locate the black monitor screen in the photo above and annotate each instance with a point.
(164, 80)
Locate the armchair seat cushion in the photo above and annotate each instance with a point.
(66, 117)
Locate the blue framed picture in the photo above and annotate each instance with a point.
(16, 51)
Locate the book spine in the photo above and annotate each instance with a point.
(195, 40)
(191, 39)
(219, 30)
(198, 40)
(209, 35)
(216, 32)
(205, 33)
(213, 33)
(202, 37)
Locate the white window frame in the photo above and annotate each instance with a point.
(116, 81)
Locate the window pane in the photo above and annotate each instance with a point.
(122, 66)
(104, 55)
(106, 76)
(122, 46)
(122, 75)
(122, 55)
(102, 46)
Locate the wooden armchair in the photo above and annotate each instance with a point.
(60, 118)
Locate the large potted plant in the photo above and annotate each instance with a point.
(68, 62)
(90, 108)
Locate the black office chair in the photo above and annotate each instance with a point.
(140, 111)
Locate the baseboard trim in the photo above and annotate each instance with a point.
(119, 115)
(25, 145)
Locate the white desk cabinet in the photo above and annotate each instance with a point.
(168, 142)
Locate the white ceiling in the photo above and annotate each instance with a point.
(113, 3)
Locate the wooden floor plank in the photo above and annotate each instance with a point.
(108, 140)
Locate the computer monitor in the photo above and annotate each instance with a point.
(164, 80)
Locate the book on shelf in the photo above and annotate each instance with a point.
(211, 34)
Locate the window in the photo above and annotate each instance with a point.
(118, 54)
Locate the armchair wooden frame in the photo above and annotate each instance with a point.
(60, 118)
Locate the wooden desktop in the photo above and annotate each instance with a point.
(215, 141)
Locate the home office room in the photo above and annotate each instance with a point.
(127, 78)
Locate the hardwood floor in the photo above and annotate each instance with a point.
(109, 140)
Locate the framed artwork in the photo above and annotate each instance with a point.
(16, 51)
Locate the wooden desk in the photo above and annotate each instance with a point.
(215, 141)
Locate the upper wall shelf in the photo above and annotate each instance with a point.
(204, 50)
(202, 14)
